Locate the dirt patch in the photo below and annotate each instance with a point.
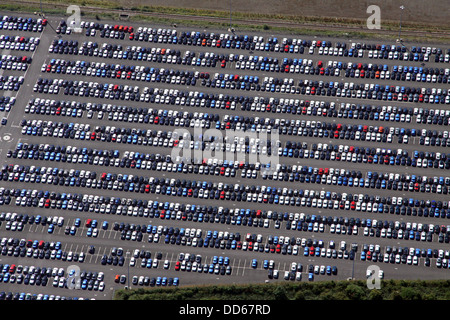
(429, 12)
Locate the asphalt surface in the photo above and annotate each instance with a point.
(240, 260)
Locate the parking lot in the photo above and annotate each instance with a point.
(99, 189)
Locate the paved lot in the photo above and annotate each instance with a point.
(240, 260)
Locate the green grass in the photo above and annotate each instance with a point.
(323, 290)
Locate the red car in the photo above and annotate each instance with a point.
(278, 248)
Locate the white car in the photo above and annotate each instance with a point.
(166, 264)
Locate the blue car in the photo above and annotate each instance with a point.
(306, 251)
(363, 256)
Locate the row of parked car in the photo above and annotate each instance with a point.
(350, 70)
(390, 95)
(18, 43)
(263, 194)
(148, 209)
(353, 132)
(35, 296)
(169, 117)
(389, 229)
(226, 240)
(316, 108)
(43, 250)
(12, 62)
(405, 255)
(303, 174)
(134, 73)
(11, 23)
(422, 205)
(31, 275)
(297, 65)
(11, 83)
(397, 225)
(291, 245)
(288, 45)
(201, 99)
(322, 151)
(299, 128)
(152, 95)
(331, 88)
(6, 103)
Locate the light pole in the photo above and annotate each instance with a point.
(128, 277)
(231, 29)
(400, 30)
(230, 14)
